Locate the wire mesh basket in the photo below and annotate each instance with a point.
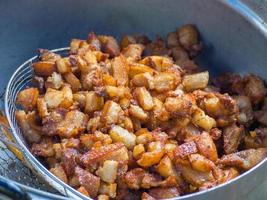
(30, 172)
(19, 80)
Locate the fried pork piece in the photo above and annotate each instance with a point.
(164, 193)
(44, 68)
(119, 134)
(111, 113)
(166, 168)
(138, 68)
(216, 104)
(120, 69)
(93, 102)
(138, 113)
(232, 136)
(108, 172)
(200, 119)
(73, 81)
(116, 151)
(156, 47)
(46, 55)
(194, 177)
(59, 98)
(185, 149)
(144, 98)
(146, 196)
(226, 174)
(219, 106)
(54, 81)
(117, 92)
(139, 178)
(200, 163)
(215, 133)
(70, 143)
(229, 83)
(27, 98)
(206, 146)
(150, 158)
(245, 159)
(196, 81)
(63, 65)
(39, 83)
(89, 181)
(73, 124)
(155, 151)
(182, 59)
(189, 38)
(69, 160)
(126, 40)
(94, 41)
(254, 88)
(108, 189)
(177, 106)
(159, 63)
(245, 115)
(102, 197)
(133, 51)
(59, 172)
(83, 191)
(134, 178)
(165, 81)
(80, 98)
(43, 149)
(251, 86)
(31, 135)
(95, 82)
(51, 121)
(159, 111)
(143, 80)
(109, 45)
(65, 124)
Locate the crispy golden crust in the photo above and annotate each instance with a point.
(139, 120)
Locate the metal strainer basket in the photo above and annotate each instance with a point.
(22, 78)
(19, 80)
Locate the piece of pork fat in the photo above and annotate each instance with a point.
(116, 151)
(69, 158)
(245, 115)
(232, 136)
(244, 159)
(139, 178)
(164, 193)
(89, 181)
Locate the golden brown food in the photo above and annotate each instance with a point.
(139, 120)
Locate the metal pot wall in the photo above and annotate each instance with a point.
(234, 33)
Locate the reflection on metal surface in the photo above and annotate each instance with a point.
(249, 14)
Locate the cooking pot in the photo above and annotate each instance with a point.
(234, 34)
